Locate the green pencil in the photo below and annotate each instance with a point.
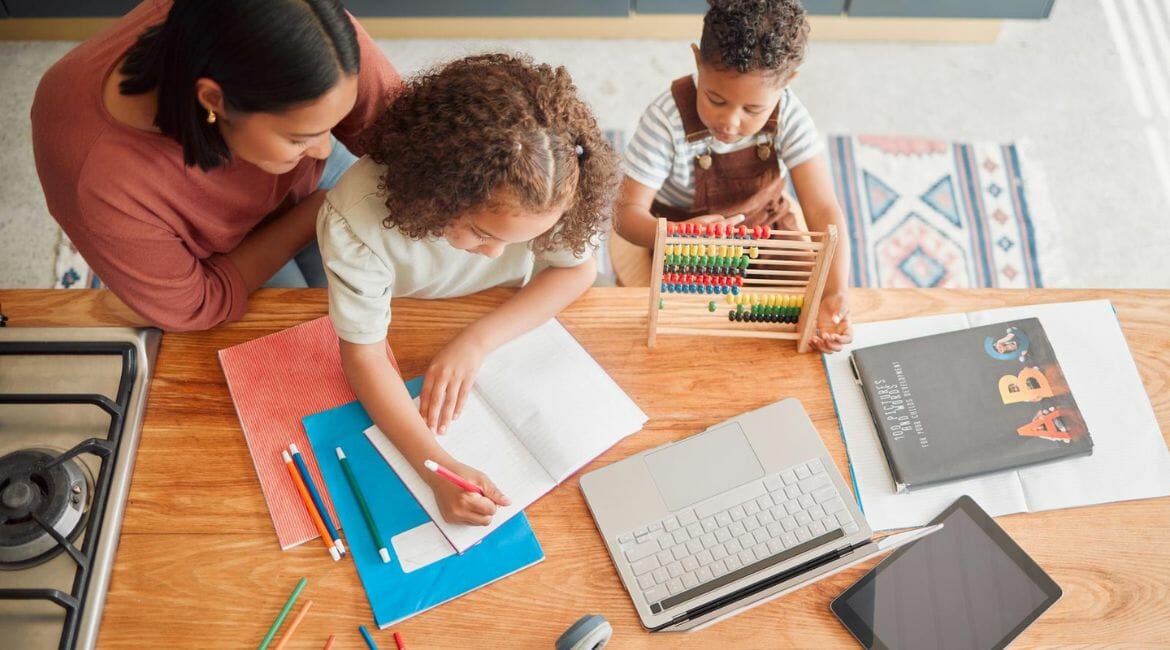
(283, 612)
(361, 499)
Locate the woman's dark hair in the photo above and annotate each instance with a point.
(266, 55)
(749, 35)
(494, 129)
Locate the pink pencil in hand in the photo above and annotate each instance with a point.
(452, 476)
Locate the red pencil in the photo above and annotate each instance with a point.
(452, 476)
(398, 641)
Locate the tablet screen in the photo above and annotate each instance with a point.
(965, 586)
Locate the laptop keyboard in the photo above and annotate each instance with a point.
(744, 530)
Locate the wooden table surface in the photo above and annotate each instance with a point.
(199, 566)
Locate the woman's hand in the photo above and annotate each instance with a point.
(448, 381)
(459, 506)
(833, 327)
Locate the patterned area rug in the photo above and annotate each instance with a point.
(930, 213)
(920, 213)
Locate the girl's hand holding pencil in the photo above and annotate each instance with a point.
(457, 503)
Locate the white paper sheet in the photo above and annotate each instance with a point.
(420, 546)
(541, 409)
(1129, 459)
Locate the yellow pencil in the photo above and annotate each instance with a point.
(292, 627)
(308, 501)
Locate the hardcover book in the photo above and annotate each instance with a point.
(968, 402)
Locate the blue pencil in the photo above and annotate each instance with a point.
(369, 639)
(316, 496)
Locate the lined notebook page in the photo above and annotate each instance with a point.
(541, 409)
(480, 439)
(275, 381)
(1129, 459)
(555, 397)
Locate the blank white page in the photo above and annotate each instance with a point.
(478, 438)
(557, 400)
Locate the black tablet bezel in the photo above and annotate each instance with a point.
(858, 626)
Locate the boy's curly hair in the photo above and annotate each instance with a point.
(749, 35)
(493, 127)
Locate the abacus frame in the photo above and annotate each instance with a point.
(802, 264)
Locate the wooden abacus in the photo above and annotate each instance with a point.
(724, 280)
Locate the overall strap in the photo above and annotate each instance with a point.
(686, 98)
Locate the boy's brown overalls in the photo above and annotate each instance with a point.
(746, 182)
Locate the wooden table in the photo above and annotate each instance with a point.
(199, 565)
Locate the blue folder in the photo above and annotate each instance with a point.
(395, 595)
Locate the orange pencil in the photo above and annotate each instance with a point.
(329, 643)
(308, 501)
(292, 627)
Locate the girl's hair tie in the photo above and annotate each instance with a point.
(580, 149)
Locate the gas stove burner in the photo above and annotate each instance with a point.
(34, 495)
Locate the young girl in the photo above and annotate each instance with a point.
(474, 171)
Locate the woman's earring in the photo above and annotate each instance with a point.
(211, 117)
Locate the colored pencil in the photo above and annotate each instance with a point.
(399, 641)
(365, 507)
(453, 477)
(283, 612)
(329, 643)
(296, 478)
(369, 639)
(292, 627)
(316, 495)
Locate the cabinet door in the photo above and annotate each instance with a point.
(952, 8)
(820, 7)
(67, 8)
(447, 8)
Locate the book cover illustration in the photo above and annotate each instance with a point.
(962, 403)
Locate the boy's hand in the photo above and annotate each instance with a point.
(447, 383)
(711, 219)
(459, 506)
(833, 327)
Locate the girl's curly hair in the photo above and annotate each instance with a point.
(749, 35)
(493, 127)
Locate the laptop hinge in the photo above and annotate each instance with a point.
(763, 584)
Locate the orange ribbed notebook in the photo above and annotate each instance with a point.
(275, 381)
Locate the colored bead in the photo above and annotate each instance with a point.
(735, 289)
(726, 289)
(739, 307)
(754, 252)
(731, 315)
(661, 303)
(671, 228)
(742, 231)
(711, 306)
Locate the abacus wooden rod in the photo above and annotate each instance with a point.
(782, 262)
(787, 336)
(759, 282)
(791, 274)
(746, 243)
(807, 321)
(747, 237)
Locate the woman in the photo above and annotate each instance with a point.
(182, 150)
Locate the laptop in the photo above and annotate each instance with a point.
(730, 518)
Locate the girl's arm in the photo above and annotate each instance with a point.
(814, 189)
(390, 406)
(452, 372)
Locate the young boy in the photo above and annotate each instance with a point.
(718, 147)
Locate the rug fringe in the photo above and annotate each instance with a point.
(1046, 224)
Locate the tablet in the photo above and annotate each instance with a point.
(965, 586)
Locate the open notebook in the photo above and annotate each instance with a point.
(541, 408)
(1129, 460)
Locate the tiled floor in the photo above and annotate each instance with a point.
(1087, 91)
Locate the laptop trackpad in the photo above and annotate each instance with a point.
(703, 465)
